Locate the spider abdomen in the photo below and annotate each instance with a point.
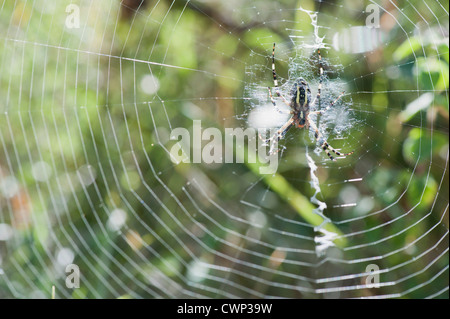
(300, 93)
(301, 118)
(301, 97)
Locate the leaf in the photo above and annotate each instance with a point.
(422, 191)
(421, 145)
(433, 73)
(407, 48)
(419, 104)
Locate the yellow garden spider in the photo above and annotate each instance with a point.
(300, 105)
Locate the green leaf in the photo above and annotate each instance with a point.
(421, 144)
(407, 48)
(419, 104)
(433, 73)
(422, 191)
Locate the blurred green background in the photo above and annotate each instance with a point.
(86, 178)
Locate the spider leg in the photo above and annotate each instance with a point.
(278, 135)
(276, 106)
(334, 102)
(319, 87)
(282, 97)
(275, 80)
(323, 143)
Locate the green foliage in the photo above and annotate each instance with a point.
(74, 99)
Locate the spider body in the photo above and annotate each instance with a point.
(301, 96)
(300, 103)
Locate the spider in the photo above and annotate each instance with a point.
(300, 105)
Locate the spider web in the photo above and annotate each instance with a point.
(86, 175)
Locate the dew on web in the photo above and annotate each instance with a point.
(93, 173)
